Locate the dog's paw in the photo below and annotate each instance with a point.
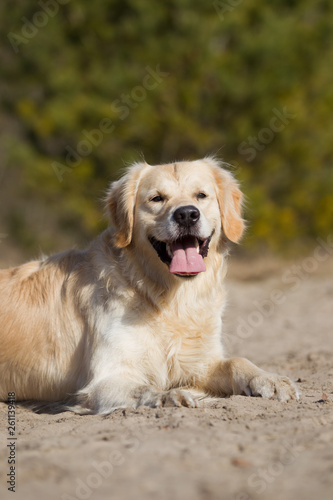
(272, 386)
(174, 397)
(177, 397)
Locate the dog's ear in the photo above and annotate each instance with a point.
(120, 203)
(230, 200)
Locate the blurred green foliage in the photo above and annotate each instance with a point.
(87, 87)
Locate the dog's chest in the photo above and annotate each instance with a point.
(188, 346)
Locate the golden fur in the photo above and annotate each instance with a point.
(110, 326)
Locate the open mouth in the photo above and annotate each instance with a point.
(184, 256)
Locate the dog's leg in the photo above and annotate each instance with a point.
(110, 393)
(240, 376)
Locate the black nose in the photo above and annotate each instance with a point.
(186, 216)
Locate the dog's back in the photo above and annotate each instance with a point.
(38, 337)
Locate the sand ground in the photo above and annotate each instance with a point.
(238, 448)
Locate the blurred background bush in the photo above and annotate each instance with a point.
(87, 87)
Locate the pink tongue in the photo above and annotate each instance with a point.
(186, 259)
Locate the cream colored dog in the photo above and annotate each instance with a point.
(137, 317)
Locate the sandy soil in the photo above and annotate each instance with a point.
(237, 448)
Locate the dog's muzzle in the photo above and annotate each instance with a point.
(185, 254)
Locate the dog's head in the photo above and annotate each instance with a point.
(176, 212)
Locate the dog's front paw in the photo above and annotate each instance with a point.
(272, 386)
(157, 399)
(177, 397)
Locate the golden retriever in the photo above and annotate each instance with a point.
(137, 317)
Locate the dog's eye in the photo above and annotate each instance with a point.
(201, 195)
(157, 198)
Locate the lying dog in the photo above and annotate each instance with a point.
(137, 317)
